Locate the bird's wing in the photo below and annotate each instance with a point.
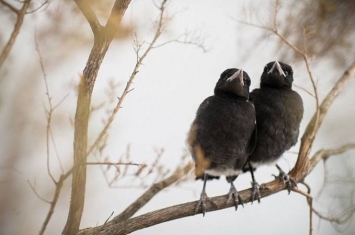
(253, 140)
(193, 130)
(204, 105)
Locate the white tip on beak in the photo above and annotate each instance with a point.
(238, 74)
(277, 66)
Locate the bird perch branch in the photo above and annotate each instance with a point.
(187, 209)
(302, 164)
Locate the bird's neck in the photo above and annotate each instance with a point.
(230, 95)
(273, 86)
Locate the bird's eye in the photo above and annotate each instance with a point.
(286, 73)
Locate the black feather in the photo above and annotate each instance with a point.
(219, 138)
(279, 111)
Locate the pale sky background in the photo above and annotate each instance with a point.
(170, 85)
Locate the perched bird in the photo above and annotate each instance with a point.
(279, 111)
(220, 136)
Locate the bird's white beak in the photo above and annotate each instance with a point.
(238, 74)
(278, 67)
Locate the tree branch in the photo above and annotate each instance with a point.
(89, 15)
(86, 86)
(151, 192)
(187, 209)
(176, 212)
(11, 7)
(127, 89)
(121, 224)
(20, 15)
(302, 164)
(324, 154)
(53, 203)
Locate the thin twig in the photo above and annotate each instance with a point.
(20, 15)
(190, 38)
(11, 7)
(304, 89)
(49, 112)
(340, 219)
(46, 3)
(114, 163)
(302, 54)
(310, 203)
(324, 154)
(53, 203)
(33, 187)
(139, 62)
(152, 191)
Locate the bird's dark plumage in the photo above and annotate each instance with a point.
(221, 132)
(279, 111)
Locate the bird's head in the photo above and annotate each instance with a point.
(277, 75)
(233, 82)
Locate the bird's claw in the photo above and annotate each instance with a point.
(287, 180)
(255, 192)
(202, 202)
(237, 199)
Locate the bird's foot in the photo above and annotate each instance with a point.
(255, 192)
(237, 199)
(286, 179)
(202, 202)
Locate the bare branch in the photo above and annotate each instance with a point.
(339, 219)
(310, 203)
(326, 153)
(114, 163)
(117, 13)
(151, 192)
(301, 53)
(176, 212)
(49, 112)
(45, 3)
(188, 38)
(20, 15)
(33, 187)
(12, 8)
(321, 110)
(86, 86)
(255, 25)
(304, 89)
(54, 201)
(313, 126)
(90, 16)
(127, 89)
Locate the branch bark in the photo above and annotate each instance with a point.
(175, 212)
(102, 40)
(20, 15)
(302, 166)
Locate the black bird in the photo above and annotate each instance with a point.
(279, 111)
(220, 135)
